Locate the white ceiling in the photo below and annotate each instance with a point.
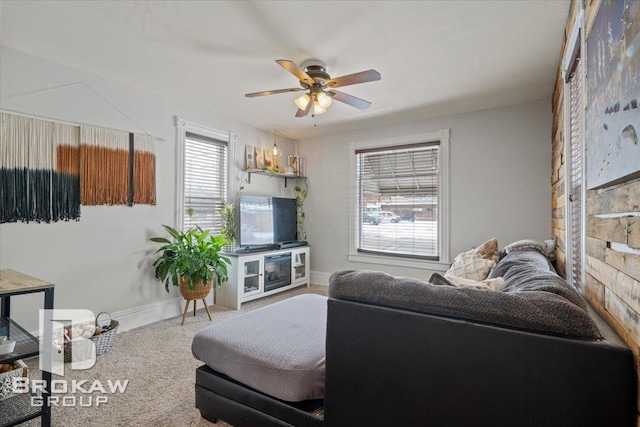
(435, 57)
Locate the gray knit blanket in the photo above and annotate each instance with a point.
(535, 298)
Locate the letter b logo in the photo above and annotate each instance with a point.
(74, 340)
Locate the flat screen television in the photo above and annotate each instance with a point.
(266, 221)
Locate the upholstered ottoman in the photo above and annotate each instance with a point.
(265, 367)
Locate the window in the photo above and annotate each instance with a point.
(575, 176)
(574, 157)
(400, 201)
(203, 171)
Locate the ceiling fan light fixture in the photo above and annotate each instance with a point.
(317, 109)
(319, 86)
(302, 101)
(324, 100)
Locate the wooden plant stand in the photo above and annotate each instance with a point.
(199, 292)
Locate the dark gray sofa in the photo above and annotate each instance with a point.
(403, 352)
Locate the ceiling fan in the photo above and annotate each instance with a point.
(319, 86)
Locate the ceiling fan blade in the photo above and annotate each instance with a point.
(293, 68)
(305, 112)
(354, 101)
(273, 92)
(355, 78)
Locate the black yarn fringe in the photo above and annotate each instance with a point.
(39, 188)
(15, 197)
(66, 197)
(26, 195)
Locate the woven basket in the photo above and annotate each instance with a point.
(19, 370)
(199, 290)
(82, 350)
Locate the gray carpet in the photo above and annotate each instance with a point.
(157, 361)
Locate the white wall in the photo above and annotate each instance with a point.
(500, 167)
(102, 262)
(500, 164)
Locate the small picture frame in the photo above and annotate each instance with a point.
(259, 159)
(250, 153)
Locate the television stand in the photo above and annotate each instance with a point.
(251, 250)
(254, 275)
(292, 245)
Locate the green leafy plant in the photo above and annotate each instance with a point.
(228, 227)
(194, 255)
(301, 194)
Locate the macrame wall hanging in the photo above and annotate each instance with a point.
(38, 176)
(144, 170)
(116, 167)
(48, 169)
(104, 166)
(65, 201)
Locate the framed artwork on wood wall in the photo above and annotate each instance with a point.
(613, 94)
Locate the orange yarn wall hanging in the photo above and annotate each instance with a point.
(144, 170)
(117, 167)
(104, 170)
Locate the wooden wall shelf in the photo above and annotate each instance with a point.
(272, 174)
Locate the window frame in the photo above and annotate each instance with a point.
(182, 127)
(575, 46)
(443, 137)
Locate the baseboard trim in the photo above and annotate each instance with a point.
(160, 310)
(320, 278)
(149, 313)
(140, 316)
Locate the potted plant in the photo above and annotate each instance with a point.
(301, 194)
(228, 226)
(191, 261)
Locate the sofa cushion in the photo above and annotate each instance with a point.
(496, 284)
(278, 350)
(469, 266)
(488, 250)
(438, 279)
(535, 298)
(547, 248)
(470, 269)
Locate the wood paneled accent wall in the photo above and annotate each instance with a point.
(612, 283)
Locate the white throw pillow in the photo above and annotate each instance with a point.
(496, 284)
(468, 265)
(470, 269)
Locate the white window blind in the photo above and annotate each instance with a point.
(575, 174)
(397, 193)
(205, 186)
